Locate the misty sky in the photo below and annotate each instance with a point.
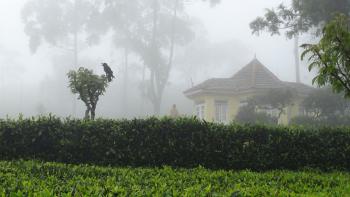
(228, 21)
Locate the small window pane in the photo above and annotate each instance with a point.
(221, 111)
(200, 110)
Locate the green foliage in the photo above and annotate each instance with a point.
(180, 142)
(248, 114)
(89, 87)
(300, 17)
(321, 11)
(278, 99)
(28, 178)
(306, 121)
(288, 19)
(257, 106)
(334, 121)
(55, 22)
(324, 108)
(324, 104)
(331, 56)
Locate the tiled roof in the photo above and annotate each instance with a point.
(300, 87)
(255, 75)
(251, 77)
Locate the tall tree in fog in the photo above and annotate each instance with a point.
(59, 23)
(122, 17)
(299, 18)
(289, 19)
(168, 28)
(150, 29)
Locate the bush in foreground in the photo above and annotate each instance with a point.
(174, 142)
(52, 179)
(321, 122)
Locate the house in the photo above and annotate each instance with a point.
(219, 99)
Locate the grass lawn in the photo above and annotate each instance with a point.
(31, 178)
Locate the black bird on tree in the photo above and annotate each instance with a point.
(108, 71)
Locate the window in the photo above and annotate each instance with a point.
(221, 111)
(269, 110)
(200, 111)
(273, 112)
(302, 111)
(243, 103)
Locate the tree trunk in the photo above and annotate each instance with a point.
(297, 59)
(143, 89)
(93, 109)
(125, 83)
(172, 38)
(75, 59)
(87, 113)
(75, 52)
(75, 35)
(158, 82)
(153, 93)
(156, 107)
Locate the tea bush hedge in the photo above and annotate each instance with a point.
(184, 142)
(37, 179)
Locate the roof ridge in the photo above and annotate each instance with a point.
(252, 76)
(255, 63)
(269, 71)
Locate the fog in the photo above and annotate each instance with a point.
(36, 83)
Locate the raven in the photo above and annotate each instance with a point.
(108, 71)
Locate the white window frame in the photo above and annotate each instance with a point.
(243, 103)
(221, 111)
(200, 110)
(273, 112)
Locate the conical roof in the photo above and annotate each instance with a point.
(252, 77)
(255, 75)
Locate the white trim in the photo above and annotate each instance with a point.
(200, 111)
(221, 111)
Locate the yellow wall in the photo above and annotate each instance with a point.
(290, 112)
(234, 103)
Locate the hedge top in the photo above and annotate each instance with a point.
(183, 142)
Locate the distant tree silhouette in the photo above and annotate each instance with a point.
(150, 29)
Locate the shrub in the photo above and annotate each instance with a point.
(305, 121)
(183, 142)
(37, 179)
(321, 122)
(247, 114)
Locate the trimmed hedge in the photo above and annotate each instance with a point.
(37, 179)
(321, 122)
(181, 142)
